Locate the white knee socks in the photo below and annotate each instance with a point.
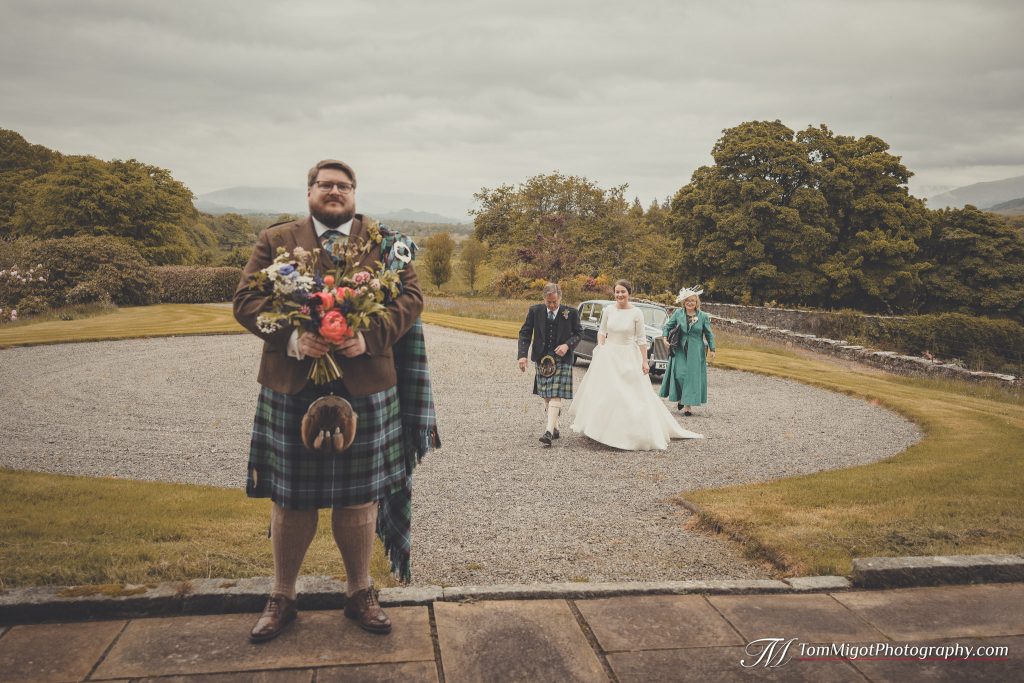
(554, 408)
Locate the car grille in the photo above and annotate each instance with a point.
(659, 349)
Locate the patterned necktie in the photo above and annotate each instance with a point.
(331, 238)
(551, 315)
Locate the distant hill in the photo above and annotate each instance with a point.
(253, 200)
(981, 195)
(408, 215)
(384, 205)
(1014, 207)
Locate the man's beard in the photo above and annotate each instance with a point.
(333, 220)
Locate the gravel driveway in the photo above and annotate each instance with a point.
(492, 506)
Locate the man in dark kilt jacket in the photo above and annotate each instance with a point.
(369, 485)
(555, 331)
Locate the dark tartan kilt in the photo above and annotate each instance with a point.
(283, 469)
(558, 385)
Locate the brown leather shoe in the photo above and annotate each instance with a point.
(279, 612)
(364, 608)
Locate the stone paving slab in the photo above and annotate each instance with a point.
(210, 644)
(408, 672)
(950, 671)
(512, 640)
(282, 676)
(54, 653)
(656, 622)
(721, 665)
(811, 618)
(946, 612)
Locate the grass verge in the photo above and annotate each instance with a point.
(163, 320)
(61, 530)
(955, 492)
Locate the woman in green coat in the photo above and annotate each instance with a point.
(686, 378)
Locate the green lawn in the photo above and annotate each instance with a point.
(958, 491)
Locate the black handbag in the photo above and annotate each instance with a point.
(675, 338)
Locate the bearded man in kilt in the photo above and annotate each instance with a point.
(368, 486)
(553, 331)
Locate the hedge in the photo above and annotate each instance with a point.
(982, 343)
(197, 284)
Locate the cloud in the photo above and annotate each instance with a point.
(446, 97)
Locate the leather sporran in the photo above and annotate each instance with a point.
(547, 367)
(329, 425)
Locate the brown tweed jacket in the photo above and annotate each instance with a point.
(367, 374)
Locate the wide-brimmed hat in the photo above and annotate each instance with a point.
(686, 292)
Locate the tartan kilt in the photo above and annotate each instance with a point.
(558, 385)
(283, 469)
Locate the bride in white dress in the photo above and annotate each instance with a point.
(615, 403)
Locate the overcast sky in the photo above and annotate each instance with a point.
(444, 98)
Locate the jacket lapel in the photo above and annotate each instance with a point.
(305, 237)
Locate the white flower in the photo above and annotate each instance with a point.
(267, 325)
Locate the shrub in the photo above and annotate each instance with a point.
(983, 343)
(88, 292)
(197, 284)
(842, 324)
(17, 283)
(31, 305)
(108, 263)
(511, 285)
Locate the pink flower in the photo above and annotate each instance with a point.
(361, 278)
(375, 283)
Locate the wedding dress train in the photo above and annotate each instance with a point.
(615, 403)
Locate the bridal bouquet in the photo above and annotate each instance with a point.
(335, 305)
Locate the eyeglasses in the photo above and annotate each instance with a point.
(327, 186)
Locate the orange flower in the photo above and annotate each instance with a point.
(343, 293)
(329, 280)
(334, 327)
(326, 300)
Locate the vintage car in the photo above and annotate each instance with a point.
(655, 316)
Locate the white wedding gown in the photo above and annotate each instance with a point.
(615, 403)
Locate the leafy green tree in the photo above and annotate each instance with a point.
(978, 264)
(438, 258)
(554, 226)
(20, 161)
(805, 218)
(472, 256)
(875, 264)
(125, 199)
(752, 227)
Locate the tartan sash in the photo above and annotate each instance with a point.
(419, 426)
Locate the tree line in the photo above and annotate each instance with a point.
(48, 195)
(807, 218)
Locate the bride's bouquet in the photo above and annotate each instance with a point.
(336, 305)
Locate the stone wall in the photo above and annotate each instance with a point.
(808, 322)
(785, 325)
